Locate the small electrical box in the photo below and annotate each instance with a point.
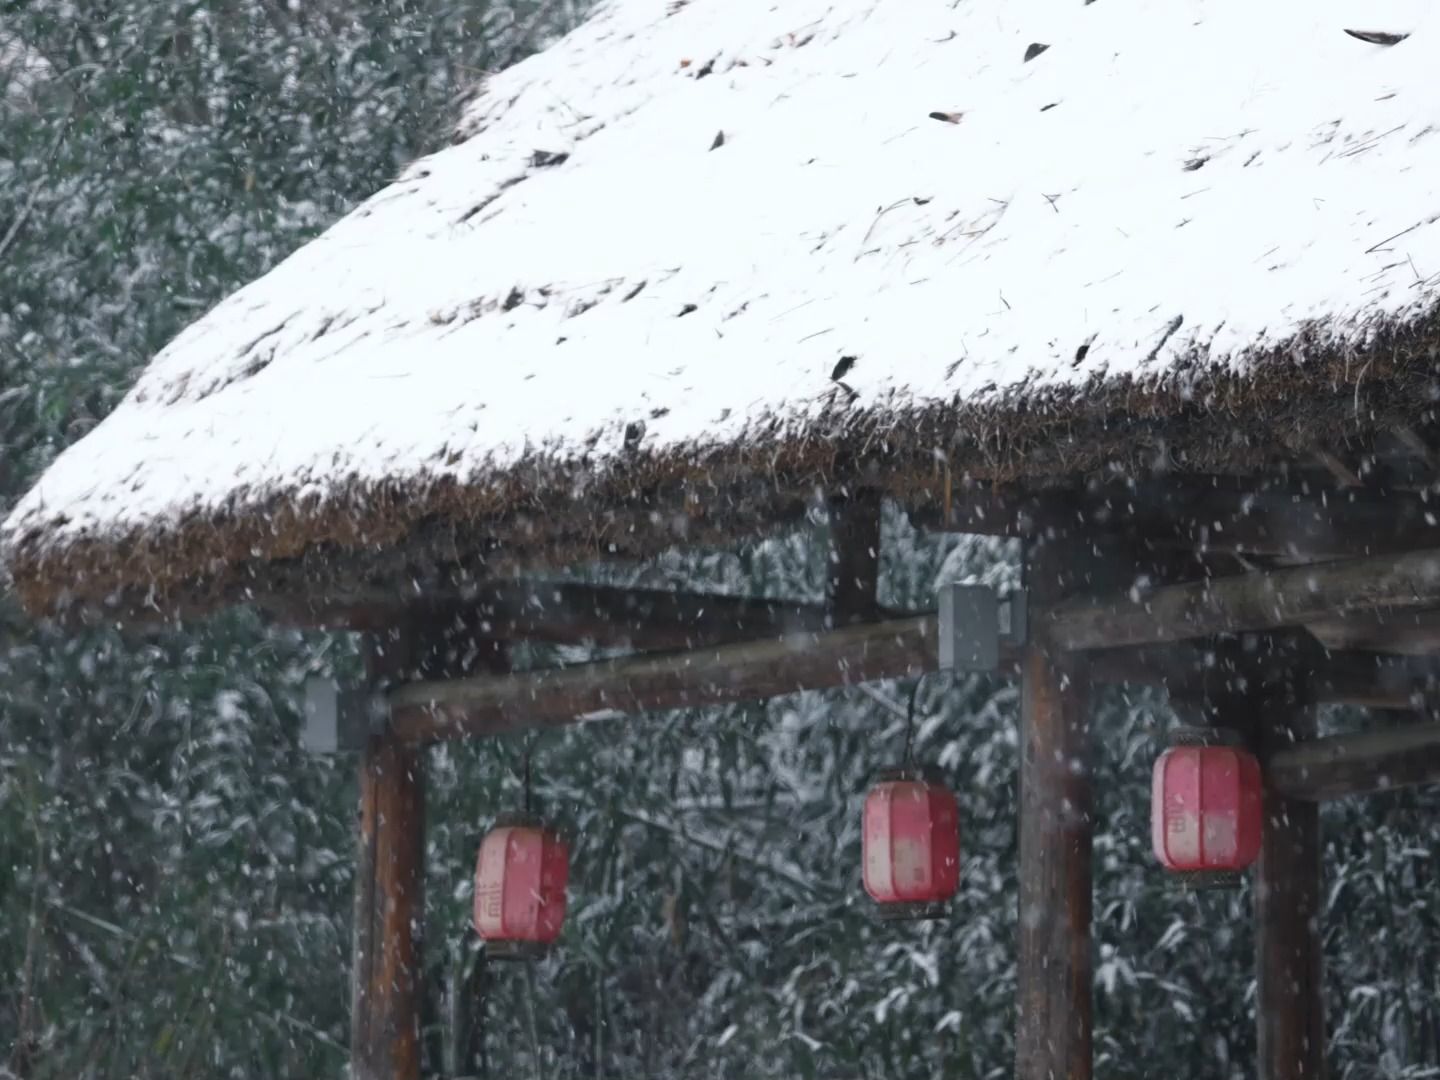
(975, 623)
(338, 720)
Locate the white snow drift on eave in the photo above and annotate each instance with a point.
(687, 214)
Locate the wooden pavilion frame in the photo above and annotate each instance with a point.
(1251, 600)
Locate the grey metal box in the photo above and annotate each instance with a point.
(969, 628)
(337, 720)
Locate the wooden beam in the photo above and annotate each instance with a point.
(1258, 601)
(982, 508)
(389, 909)
(745, 672)
(1289, 999)
(1215, 515)
(1331, 462)
(863, 652)
(1053, 1039)
(566, 612)
(1362, 763)
(1404, 632)
(1246, 516)
(640, 618)
(1221, 669)
(1414, 443)
(1371, 680)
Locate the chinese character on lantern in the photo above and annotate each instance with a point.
(1206, 807)
(911, 844)
(520, 880)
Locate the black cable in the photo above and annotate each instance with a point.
(910, 721)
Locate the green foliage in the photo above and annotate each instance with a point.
(180, 882)
(175, 874)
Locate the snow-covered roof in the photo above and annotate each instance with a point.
(833, 229)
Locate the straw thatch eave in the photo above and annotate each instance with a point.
(697, 261)
(549, 512)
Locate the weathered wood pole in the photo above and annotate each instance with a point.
(386, 995)
(1289, 999)
(389, 907)
(1053, 1024)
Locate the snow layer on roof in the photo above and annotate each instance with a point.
(687, 215)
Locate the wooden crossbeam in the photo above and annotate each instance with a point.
(1371, 680)
(1323, 524)
(745, 672)
(889, 649)
(1404, 632)
(1416, 445)
(1248, 602)
(569, 612)
(1237, 516)
(1363, 763)
(1215, 515)
(1352, 677)
(641, 618)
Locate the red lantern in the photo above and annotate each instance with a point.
(911, 844)
(520, 880)
(1206, 807)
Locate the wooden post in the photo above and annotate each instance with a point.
(386, 994)
(854, 566)
(390, 1002)
(1289, 999)
(389, 909)
(1053, 1033)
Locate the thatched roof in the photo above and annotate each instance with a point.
(703, 255)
